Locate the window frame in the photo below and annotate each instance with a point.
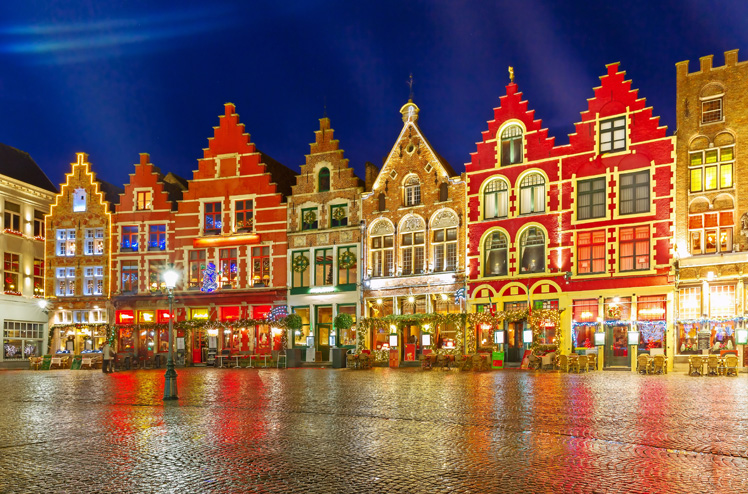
(512, 145)
(495, 194)
(131, 285)
(724, 166)
(245, 208)
(488, 249)
(347, 276)
(324, 174)
(382, 256)
(38, 277)
(343, 221)
(12, 269)
(211, 211)
(11, 218)
(524, 185)
(597, 185)
(143, 200)
(200, 260)
(159, 232)
(300, 279)
(634, 186)
(442, 248)
(228, 257)
(411, 252)
(128, 233)
(523, 247)
(412, 191)
(636, 255)
(326, 264)
(588, 240)
(616, 123)
(314, 225)
(261, 253)
(706, 101)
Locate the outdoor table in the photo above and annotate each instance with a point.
(264, 356)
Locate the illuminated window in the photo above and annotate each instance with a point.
(309, 220)
(338, 215)
(412, 252)
(196, 268)
(156, 268)
(532, 194)
(710, 232)
(94, 241)
(689, 303)
(633, 246)
(38, 277)
(243, 215)
(93, 280)
(324, 180)
(79, 200)
(323, 267)
(129, 238)
(65, 242)
(347, 266)
(12, 267)
(65, 282)
(212, 225)
(144, 200)
(613, 135)
(382, 255)
(722, 301)
(445, 249)
(300, 279)
(495, 200)
(634, 193)
(261, 266)
(12, 217)
(228, 268)
(591, 199)
(129, 270)
(412, 191)
(591, 252)
(711, 111)
(711, 169)
(496, 255)
(532, 251)
(156, 237)
(511, 145)
(39, 224)
(651, 308)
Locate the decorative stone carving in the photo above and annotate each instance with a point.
(323, 238)
(744, 225)
(413, 223)
(299, 241)
(445, 218)
(382, 227)
(346, 236)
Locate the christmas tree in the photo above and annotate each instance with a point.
(209, 279)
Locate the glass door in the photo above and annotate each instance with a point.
(616, 346)
(323, 324)
(515, 347)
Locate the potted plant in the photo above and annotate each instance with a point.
(343, 321)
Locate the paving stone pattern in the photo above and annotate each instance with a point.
(390, 431)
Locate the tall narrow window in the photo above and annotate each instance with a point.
(338, 215)
(129, 238)
(212, 225)
(228, 268)
(12, 266)
(309, 220)
(591, 252)
(66, 242)
(129, 271)
(634, 192)
(156, 237)
(94, 241)
(634, 248)
(511, 145)
(79, 200)
(261, 266)
(323, 267)
(39, 224)
(532, 194)
(591, 198)
(412, 191)
(445, 249)
(244, 215)
(412, 252)
(39, 278)
(196, 267)
(495, 199)
(613, 135)
(156, 268)
(12, 217)
(300, 278)
(144, 200)
(93, 280)
(381, 204)
(532, 251)
(347, 266)
(382, 255)
(65, 279)
(496, 255)
(324, 180)
(443, 192)
(711, 111)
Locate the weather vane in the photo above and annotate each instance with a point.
(511, 74)
(410, 84)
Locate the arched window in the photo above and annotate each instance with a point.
(412, 191)
(532, 251)
(412, 244)
(495, 199)
(532, 194)
(324, 180)
(496, 255)
(444, 240)
(511, 145)
(382, 249)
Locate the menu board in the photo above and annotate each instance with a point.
(703, 340)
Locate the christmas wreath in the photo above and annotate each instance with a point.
(310, 217)
(300, 263)
(338, 214)
(346, 260)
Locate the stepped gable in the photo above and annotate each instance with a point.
(19, 165)
(167, 190)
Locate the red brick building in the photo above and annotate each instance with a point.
(585, 227)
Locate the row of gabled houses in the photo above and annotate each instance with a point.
(625, 240)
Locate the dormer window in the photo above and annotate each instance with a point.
(511, 145)
(324, 180)
(412, 191)
(79, 200)
(144, 200)
(613, 135)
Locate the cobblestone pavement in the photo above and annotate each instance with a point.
(341, 431)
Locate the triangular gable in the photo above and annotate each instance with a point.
(81, 168)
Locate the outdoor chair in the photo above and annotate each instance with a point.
(591, 362)
(573, 364)
(582, 363)
(712, 365)
(642, 364)
(442, 362)
(476, 362)
(563, 363)
(695, 365)
(658, 364)
(281, 356)
(35, 362)
(351, 360)
(731, 365)
(548, 360)
(87, 362)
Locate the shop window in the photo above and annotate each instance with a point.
(157, 237)
(412, 191)
(634, 249)
(591, 252)
(39, 278)
(382, 255)
(300, 278)
(212, 219)
(711, 169)
(98, 316)
(591, 198)
(338, 215)
(79, 200)
(309, 220)
(261, 266)
(324, 180)
(300, 335)
(412, 252)
(93, 280)
(496, 255)
(144, 200)
(613, 135)
(129, 239)
(64, 317)
(711, 111)
(634, 193)
(445, 249)
(347, 337)
(39, 225)
(244, 215)
(547, 334)
(710, 232)
(12, 267)
(156, 268)
(65, 242)
(495, 200)
(689, 303)
(323, 267)
(381, 307)
(532, 251)
(347, 266)
(412, 304)
(585, 315)
(228, 268)
(722, 301)
(196, 268)
(129, 271)
(532, 194)
(651, 308)
(511, 145)
(22, 339)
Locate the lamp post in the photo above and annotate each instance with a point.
(170, 378)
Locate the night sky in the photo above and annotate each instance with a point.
(152, 76)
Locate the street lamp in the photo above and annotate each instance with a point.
(170, 378)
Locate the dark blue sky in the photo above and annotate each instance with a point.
(152, 76)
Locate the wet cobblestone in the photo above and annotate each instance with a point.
(313, 430)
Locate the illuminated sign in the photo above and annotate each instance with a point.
(124, 317)
(146, 316)
(599, 339)
(393, 340)
(527, 336)
(633, 337)
(199, 313)
(322, 289)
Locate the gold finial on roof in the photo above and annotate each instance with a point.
(410, 84)
(511, 74)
